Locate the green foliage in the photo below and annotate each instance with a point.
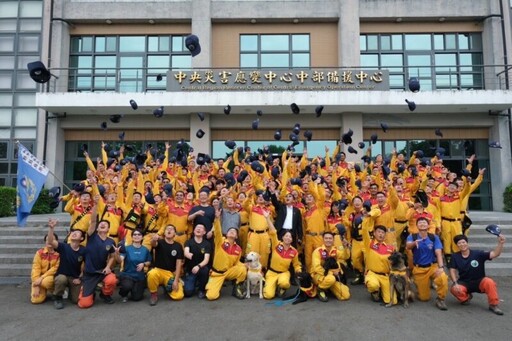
(507, 199)
(8, 202)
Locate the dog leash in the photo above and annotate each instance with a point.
(281, 302)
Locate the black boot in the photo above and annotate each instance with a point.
(57, 302)
(359, 279)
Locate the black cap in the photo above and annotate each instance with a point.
(350, 132)
(255, 124)
(465, 172)
(296, 181)
(79, 187)
(384, 127)
(230, 144)
(207, 158)
(150, 199)
(192, 44)
(167, 189)
(259, 112)
(103, 125)
(400, 168)
(367, 205)
(318, 110)
(374, 138)
(346, 138)
(308, 134)
(296, 128)
(227, 109)
(200, 159)
(438, 132)
(275, 172)
(440, 151)
(134, 104)
(351, 150)
(200, 133)
(201, 116)
(293, 137)
(129, 147)
(421, 197)
(230, 179)
(414, 84)
(294, 143)
(357, 168)
(159, 77)
(84, 147)
(295, 108)
(361, 145)
(184, 162)
(115, 118)
(242, 175)
(54, 204)
(158, 112)
(495, 144)
(114, 154)
(419, 154)
(54, 192)
(411, 105)
(277, 135)
(121, 135)
(366, 158)
(493, 229)
(257, 167)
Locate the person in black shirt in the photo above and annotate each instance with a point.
(467, 271)
(168, 266)
(69, 273)
(197, 254)
(203, 214)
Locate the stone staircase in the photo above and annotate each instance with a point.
(18, 244)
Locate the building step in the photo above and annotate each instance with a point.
(28, 231)
(15, 270)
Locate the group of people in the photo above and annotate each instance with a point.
(185, 223)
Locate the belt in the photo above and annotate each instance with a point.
(424, 265)
(401, 221)
(113, 235)
(450, 219)
(313, 234)
(217, 271)
(129, 228)
(246, 224)
(379, 273)
(258, 232)
(392, 229)
(277, 272)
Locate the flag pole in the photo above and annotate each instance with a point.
(53, 174)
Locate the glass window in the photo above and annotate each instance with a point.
(248, 43)
(274, 42)
(132, 44)
(446, 81)
(158, 63)
(317, 148)
(300, 42)
(369, 60)
(100, 44)
(300, 60)
(439, 42)
(105, 64)
(3, 149)
(7, 44)
(463, 41)
(6, 80)
(8, 9)
(415, 62)
(25, 133)
(31, 9)
(29, 25)
(275, 60)
(472, 60)
(24, 60)
(28, 44)
(396, 41)
(5, 133)
(5, 117)
(5, 100)
(160, 43)
(4, 168)
(372, 41)
(446, 59)
(475, 41)
(24, 100)
(8, 25)
(362, 43)
(417, 42)
(385, 42)
(25, 117)
(248, 60)
(181, 62)
(396, 81)
(130, 65)
(451, 42)
(393, 62)
(178, 44)
(7, 62)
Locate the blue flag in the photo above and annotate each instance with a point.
(32, 175)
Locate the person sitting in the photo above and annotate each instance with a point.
(467, 271)
(197, 257)
(44, 267)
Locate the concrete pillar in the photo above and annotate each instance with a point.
(354, 121)
(500, 161)
(55, 148)
(202, 28)
(200, 145)
(348, 33)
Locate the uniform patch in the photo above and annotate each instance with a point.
(174, 253)
(80, 259)
(108, 247)
(474, 263)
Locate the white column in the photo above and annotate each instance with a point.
(348, 33)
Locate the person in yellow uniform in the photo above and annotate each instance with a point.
(79, 207)
(330, 278)
(44, 267)
(178, 216)
(155, 219)
(226, 262)
(377, 252)
(314, 224)
(283, 255)
(258, 239)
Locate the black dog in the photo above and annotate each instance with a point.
(332, 264)
(306, 289)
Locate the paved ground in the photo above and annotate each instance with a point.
(254, 319)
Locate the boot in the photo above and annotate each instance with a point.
(359, 279)
(57, 302)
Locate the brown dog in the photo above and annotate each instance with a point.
(399, 280)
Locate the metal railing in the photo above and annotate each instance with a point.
(446, 77)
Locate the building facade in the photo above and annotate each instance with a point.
(354, 57)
